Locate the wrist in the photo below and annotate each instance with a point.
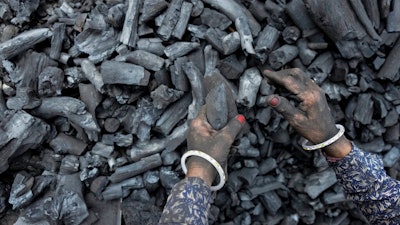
(338, 149)
(201, 168)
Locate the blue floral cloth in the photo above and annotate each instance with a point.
(361, 174)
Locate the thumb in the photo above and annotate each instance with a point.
(232, 129)
(283, 106)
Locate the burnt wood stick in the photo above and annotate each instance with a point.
(291, 34)
(23, 41)
(162, 96)
(217, 107)
(317, 45)
(250, 82)
(299, 15)
(306, 55)
(179, 49)
(114, 72)
(384, 8)
(282, 56)
(136, 168)
(153, 45)
(257, 9)
(178, 77)
(195, 78)
(180, 27)
(57, 40)
(340, 22)
(145, 148)
(151, 8)
(246, 38)
(372, 8)
(116, 15)
(143, 58)
(231, 43)
(265, 42)
(231, 67)
(214, 38)
(198, 7)
(129, 35)
(92, 74)
(170, 20)
(65, 144)
(215, 19)
(364, 109)
(391, 66)
(90, 96)
(211, 59)
(393, 19)
(122, 189)
(321, 67)
(359, 9)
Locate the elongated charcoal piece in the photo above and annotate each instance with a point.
(372, 8)
(136, 168)
(318, 182)
(116, 15)
(170, 20)
(87, 42)
(211, 59)
(21, 193)
(257, 9)
(182, 23)
(197, 31)
(197, 57)
(162, 96)
(321, 67)
(214, 37)
(230, 43)
(364, 109)
(393, 19)
(179, 49)
(231, 67)
(265, 42)
(198, 7)
(215, 19)
(143, 58)
(65, 144)
(93, 75)
(90, 96)
(151, 8)
(173, 114)
(298, 12)
(145, 148)
(178, 77)
(234, 11)
(306, 55)
(50, 82)
(196, 82)
(15, 140)
(290, 34)
(124, 73)
(246, 38)
(57, 40)
(129, 34)
(23, 41)
(72, 108)
(390, 68)
(282, 56)
(359, 9)
(250, 82)
(217, 107)
(122, 189)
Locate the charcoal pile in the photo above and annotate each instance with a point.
(95, 97)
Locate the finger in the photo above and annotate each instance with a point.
(293, 80)
(232, 129)
(284, 107)
(200, 123)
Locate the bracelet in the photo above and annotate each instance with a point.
(211, 160)
(325, 143)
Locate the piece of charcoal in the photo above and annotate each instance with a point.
(178, 77)
(364, 109)
(69, 164)
(306, 55)
(248, 88)
(214, 37)
(50, 81)
(120, 73)
(271, 202)
(143, 58)
(21, 192)
(291, 34)
(215, 19)
(170, 20)
(198, 93)
(179, 49)
(122, 189)
(282, 56)
(318, 182)
(151, 180)
(391, 157)
(162, 96)
(246, 38)
(182, 23)
(57, 40)
(230, 43)
(321, 67)
(217, 107)
(153, 45)
(298, 12)
(65, 144)
(231, 67)
(129, 34)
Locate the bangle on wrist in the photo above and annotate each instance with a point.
(217, 166)
(325, 143)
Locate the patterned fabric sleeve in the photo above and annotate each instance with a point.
(188, 203)
(366, 183)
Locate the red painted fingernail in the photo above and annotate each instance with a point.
(274, 102)
(241, 119)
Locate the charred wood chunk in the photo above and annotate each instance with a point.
(321, 67)
(290, 34)
(282, 56)
(129, 35)
(178, 77)
(231, 67)
(372, 8)
(116, 15)
(163, 96)
(170, 20)
(217, 107)
(196, 82)
(265, 42)
(151, 8)
(69, 164)
(271, 202)
(214, 37)
(114, 72)
(299, 15)
(364, 109)
(179, 49)
(390, 68)
(393, 19)
(183, 21)
(133, 169)
(361, 13)
(23, 10)
(249, 85)
(246, 38)
(50, 81)
(318, 182)
(57, 40)
(143, 58)
(153, 45)
(122, 189)
(306, 55)
(65, 144)
(21, 193)
(215, 19)
(339, 71)
(230, 43)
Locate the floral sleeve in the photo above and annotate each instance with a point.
(188, 203)
(366, 183)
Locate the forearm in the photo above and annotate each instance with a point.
(366, 183)
(188, 203)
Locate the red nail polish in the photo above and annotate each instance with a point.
(274, 102)
(241, 119)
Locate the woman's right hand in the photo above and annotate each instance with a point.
(312, 118)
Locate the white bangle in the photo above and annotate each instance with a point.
(218, 167)
(325, 143)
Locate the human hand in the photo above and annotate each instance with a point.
(203, 137)
(312, 118)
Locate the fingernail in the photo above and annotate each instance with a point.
(241, 118)
(274, 101)
(267, 71)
